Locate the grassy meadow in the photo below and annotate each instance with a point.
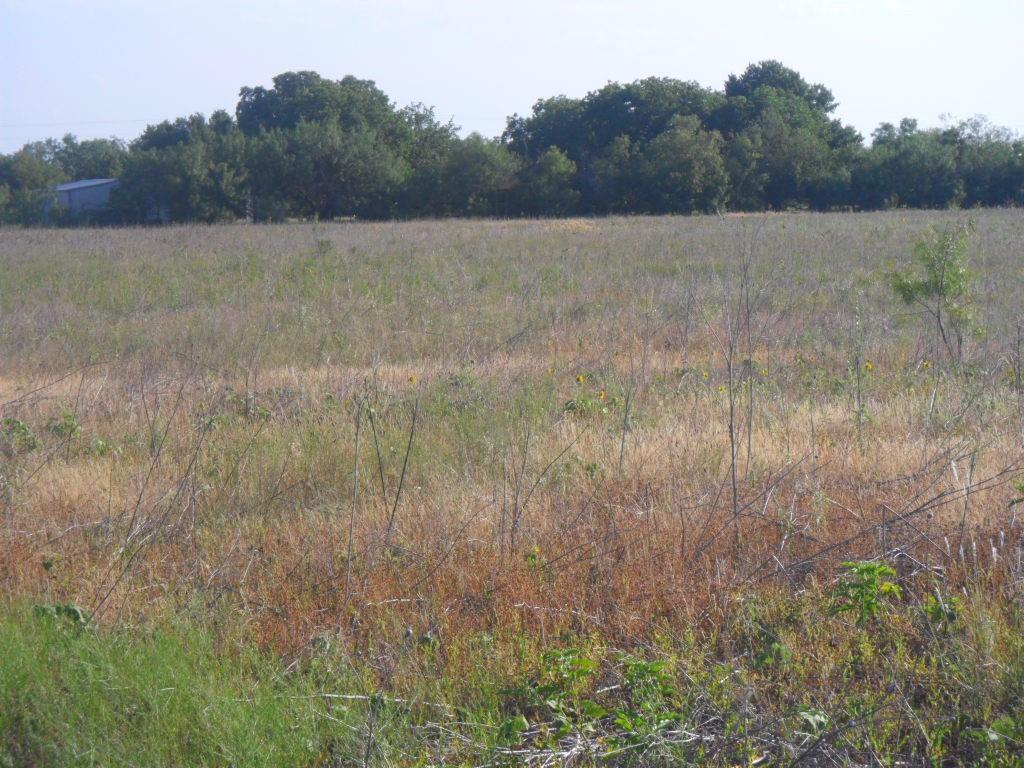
(626, 491)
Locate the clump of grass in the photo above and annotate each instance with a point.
(787, 679)
(77, 696)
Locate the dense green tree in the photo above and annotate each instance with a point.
(306, 97)
(555, 122)
(682, 170)
(170, 133)
(990, 164)
(614, 183)
(330, 148)
(428, 154)
(797, 156)
(906, 166)
(772, 74)
(92, 158)
(478, 178)
(644, 109)
(321, 170)
(186, 169)
(546, 186)
(308, 146)
(795, 152)
(337, 172)
(269, 167)
(744, 156)
(31, 168)
(28, 177)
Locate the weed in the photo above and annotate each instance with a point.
(864, 590)
(18, 435)
(942, 612)
(64, 425)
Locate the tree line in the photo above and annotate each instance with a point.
(314, 147)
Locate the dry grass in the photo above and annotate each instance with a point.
(217, 375)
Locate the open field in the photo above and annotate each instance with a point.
(539, 492)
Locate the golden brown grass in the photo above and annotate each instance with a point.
(192, 397)
(216, 374)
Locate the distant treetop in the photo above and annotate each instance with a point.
(312, 147)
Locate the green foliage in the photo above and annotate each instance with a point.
(1018, 486)
(306, 97)
(909, 167)
(1004, 732)
(72, 696)
(192, 169)
(18, 435)
(864, 590)
(546, 186)
(512, 729)
(64, 425)
(557, 698)
(27, 177)
(941, 284)
(650, 701)
(590, 401)
(942, 612)
(773, 74)
(477, 178)
(796, 157)
(990, 164)
(814, 721)
(588, 405)
(944, 265)
(91, 158)
(72, 614)
(312, 147)
(558, 703)
(172, 694)
(682, 170)
(100, 447)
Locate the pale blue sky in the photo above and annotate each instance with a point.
(107, 67)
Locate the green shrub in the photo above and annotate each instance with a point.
(941, 286)
(864, 590)
(18, 435)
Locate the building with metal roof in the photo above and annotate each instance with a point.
(85, 195)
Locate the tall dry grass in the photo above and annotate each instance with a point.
(211, 378)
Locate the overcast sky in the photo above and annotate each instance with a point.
(109, 67)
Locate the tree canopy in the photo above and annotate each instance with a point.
(312, 147)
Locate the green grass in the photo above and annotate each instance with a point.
(75, 696)
(940, 679)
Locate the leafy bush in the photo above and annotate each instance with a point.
(941, 285)
(864, 590)
(18, 435)
(65, 425)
